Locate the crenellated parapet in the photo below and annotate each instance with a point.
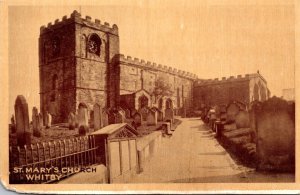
(202, 82)
(156, 67)
(75, 17)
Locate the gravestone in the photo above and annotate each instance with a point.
(120, 117)
(13, 124)
(160, 116)
(97, 117)
(48, 120)
(133, 111)
(127, 113)
(242, 120)
(22, 121)
(231, 111)
(137, 119)
(169, 114)
(35, 119)
(122, 111)
(41, 119)
(152, 117)
(83, 119)
(104, 118)
(111, 117)
(36, 123)
(72, 121)
(144, 112)
(275, 127)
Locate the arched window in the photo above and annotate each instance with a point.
(94, 44)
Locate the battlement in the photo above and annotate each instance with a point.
(76, 17)
(228, 79)
(157, 67)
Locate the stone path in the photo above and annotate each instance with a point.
(192, 154)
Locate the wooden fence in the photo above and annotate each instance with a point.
(77, 152)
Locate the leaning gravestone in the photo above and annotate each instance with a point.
(72, 121)
(133, 111)
(22, 121)
(83, 119)
(97, 117)
(137, 119)
(127, 113)
(152, 117)
(169, 114)
(120, 117)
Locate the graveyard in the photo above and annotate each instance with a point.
(137, 121)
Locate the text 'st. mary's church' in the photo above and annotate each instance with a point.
(80, 62)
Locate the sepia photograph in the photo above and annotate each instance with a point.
(150, 92)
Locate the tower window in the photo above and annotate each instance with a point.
(94, 44)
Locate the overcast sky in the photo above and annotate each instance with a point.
(211, 39)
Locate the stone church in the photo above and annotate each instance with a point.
(80, 62)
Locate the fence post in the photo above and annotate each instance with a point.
(50, 158)
(44, 153)
(65, 157)
(25, 148)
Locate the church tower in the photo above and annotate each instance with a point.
(78, 62)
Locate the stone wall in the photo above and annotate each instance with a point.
(240, 88)
(136, 74)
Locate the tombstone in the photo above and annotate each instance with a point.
(48, 120)
(160, 116)
(242, 120)
(144, 112)
(275, 127)
(97, 117)
(137, 119)
(104, 119)
(122, 111)
(83, 119)
(133, 111)
(13, 124)
(41, 119)
(22, 121)
(127, 113)
(169, 114)
(72, 121)
(152, 117)
(111, 117)
(120, 117)
(231, 111)
(36, 123)
(35, 119)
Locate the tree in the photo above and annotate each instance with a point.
(162, 88)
